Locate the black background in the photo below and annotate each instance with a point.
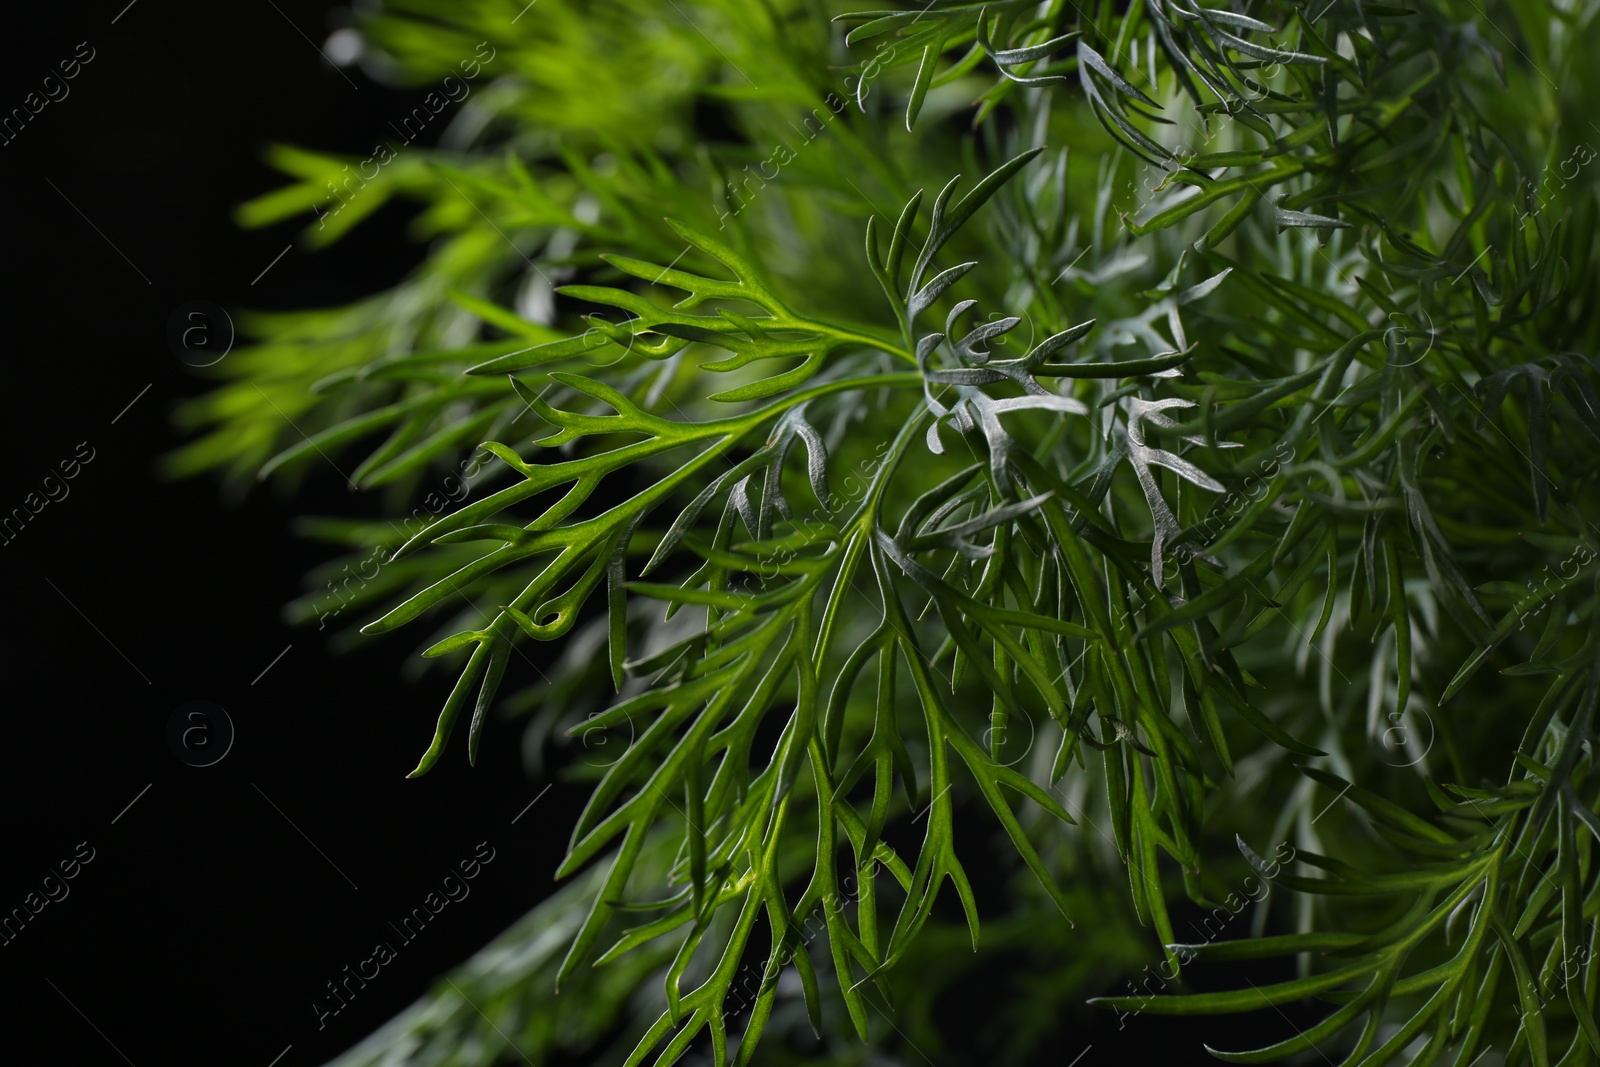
(223, 898)
(206, 923)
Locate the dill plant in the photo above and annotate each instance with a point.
(1163, 433)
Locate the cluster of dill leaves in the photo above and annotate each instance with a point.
(1138, 428)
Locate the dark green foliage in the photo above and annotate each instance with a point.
(1179, 488)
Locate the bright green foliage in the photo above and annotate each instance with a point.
(1179, 488)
